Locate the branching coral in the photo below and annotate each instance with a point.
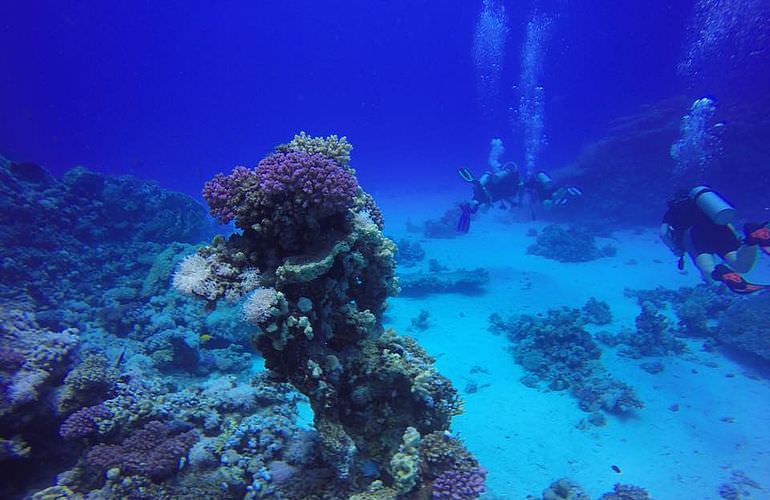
(332, 147)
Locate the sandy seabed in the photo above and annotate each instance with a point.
(527, 438)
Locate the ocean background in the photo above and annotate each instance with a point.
(602, 95)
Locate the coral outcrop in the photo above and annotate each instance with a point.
(573, 244)
(558, 352)
(325, 270)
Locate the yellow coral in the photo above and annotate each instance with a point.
(405, 464)
(56, 493)
(336, 148)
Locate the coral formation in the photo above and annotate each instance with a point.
(733, 323)
(558, 351)
(596, 312)
(466, 281)
(443, 227)
(152, 452)
(564, 489)
(325, 271)
(573, 244)
(421, 322)
(410, 253)
(626, 492)
(333, 147)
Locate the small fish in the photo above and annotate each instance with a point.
(121, 358)
(616, 469)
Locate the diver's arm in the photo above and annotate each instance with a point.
(667, 235)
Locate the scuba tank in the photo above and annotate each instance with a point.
(544, 180)
(713, 205)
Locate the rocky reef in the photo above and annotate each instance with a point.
(568, 244)
(621, 172)
(559, 354)
(722, 320)
(314, 271)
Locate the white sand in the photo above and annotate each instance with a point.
(527, 438)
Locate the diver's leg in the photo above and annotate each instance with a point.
(743, 259)
(705, 263)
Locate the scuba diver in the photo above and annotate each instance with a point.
(492, 187)
(541, 188)
(698, 223)
(506, 185)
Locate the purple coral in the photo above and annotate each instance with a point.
(284, 187)
(306, 181)
(150, 452)
(459, 484)
(222, 193)
(84, 422)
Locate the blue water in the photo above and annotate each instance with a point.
(626, 103)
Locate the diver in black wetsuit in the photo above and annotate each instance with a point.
(698, 223)
(501, 186)
(506, 185)
(542, 188)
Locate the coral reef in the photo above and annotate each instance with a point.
(152, 452)
(596, 312)
(731, 322)
(93, 344)
(626, 492)
(420, 284)
(421, 322)
(564, 489)
(573, 244)
(325, 271)
(654, 335)
(409, 253)
(444, 227)
(635, 152)
(556, 350)
(743, 326)
(91, 222)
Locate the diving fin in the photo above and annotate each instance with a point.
(735, 282)
(466, 174)
(758, 234)
(464, 222)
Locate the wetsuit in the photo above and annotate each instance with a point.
(694, 232)
(492, 187)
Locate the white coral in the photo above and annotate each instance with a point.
(258, 305)
(194, 276)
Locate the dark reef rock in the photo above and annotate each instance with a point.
(723, 319)
(626, 492)
(75, 237)
(409, 253)
(621, 173)
(469, 282)
(653, 335)
(444, 227)
(558, 351)
(745, 325)
(596, 312)
(421, 322)
(568, 244)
